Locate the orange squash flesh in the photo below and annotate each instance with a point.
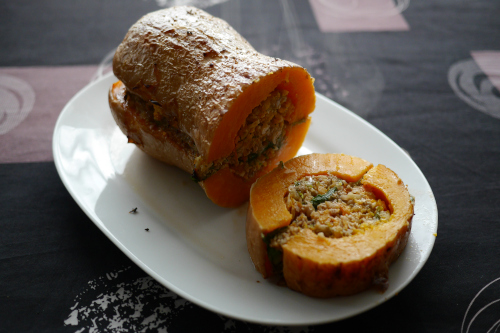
(300, 89)
(324, 267)
(229, 190)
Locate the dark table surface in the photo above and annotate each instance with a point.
(426, 73)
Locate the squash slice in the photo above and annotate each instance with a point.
(321, 266)
(207, 102)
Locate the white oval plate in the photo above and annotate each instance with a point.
(198, 249)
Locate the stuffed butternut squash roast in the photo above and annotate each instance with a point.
(195, 94)
(329, 224)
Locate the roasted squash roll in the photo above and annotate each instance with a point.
(328, 224)
(195, 94)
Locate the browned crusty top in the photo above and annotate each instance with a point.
(193, 64)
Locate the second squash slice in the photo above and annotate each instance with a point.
(330, 224)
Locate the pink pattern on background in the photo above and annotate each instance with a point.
(489, 62)
(31, 140)
(359, 15)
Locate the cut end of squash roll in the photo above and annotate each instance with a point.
(227, 189)
(295, 81)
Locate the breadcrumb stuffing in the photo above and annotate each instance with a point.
(330, 207)
(258, 140)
